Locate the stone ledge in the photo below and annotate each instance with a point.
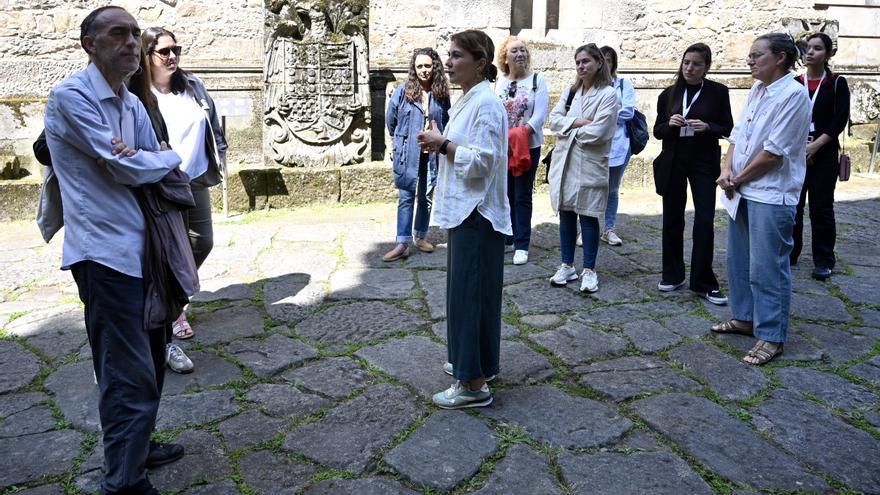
(257, 188)
(19, 199)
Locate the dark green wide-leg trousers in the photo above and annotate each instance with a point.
(474, 276)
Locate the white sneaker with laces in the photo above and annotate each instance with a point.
(589, 281)
(177, 360)
(564, 275)
(520, 257)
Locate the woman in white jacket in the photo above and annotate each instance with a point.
(579, 168)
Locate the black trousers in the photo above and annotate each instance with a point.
(199, 225)
(702, 182)
(519, 195)
(819, 185)
(200, 229)
(475, 274)
(130, 367)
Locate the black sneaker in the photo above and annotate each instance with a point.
(821, 274)
(163, 453)
(714, 296)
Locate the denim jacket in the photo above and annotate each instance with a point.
(405, 120)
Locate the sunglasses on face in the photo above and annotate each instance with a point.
(166, 52)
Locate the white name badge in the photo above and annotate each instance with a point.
(686, 131)
(812, 127)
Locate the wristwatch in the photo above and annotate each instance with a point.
(443, 146)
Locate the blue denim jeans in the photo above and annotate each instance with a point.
(568, 235)
(759, 243)
(405, 228)
(615, 177)
(519, 194)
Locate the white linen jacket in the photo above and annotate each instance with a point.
(578, 173)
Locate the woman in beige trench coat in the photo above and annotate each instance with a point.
(578, 173)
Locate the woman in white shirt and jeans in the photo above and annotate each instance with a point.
(525, 97)
(471, 202)
(764, 171)
(620, 154)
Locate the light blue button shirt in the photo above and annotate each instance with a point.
(626, 98)
(103, 222)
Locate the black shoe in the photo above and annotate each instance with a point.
(821, 274)
(715, 297)
(163, 453)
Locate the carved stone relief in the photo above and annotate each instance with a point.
(317, 96)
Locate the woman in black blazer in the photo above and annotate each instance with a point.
(692, 115)
(829, 93)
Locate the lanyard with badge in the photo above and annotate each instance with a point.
(688, 130)
(813, 98)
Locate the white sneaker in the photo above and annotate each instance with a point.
(177, 360)
(520, 257)
(564, 275)
(589, 281)
(611, 238)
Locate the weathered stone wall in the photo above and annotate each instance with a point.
(39, 47)
(649, 35)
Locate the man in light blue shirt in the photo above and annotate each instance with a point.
(102, 144)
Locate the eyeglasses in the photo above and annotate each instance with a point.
(755, 55)
(166, 52)
(511, 91)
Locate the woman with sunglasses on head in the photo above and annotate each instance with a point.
(620, 149)
(422, 98)
(525, 97)
(471, 203)
(692, 115)
(184, 116)
(829, 97)
(579, 168)
(765, 164)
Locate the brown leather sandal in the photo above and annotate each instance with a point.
(763, 352)
(730, 327)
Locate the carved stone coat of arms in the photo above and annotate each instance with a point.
(317, 93)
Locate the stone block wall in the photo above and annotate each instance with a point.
(39, 47)
(224, 45)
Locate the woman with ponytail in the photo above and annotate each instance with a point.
(471, 203)
(829, 100)
(762, 176)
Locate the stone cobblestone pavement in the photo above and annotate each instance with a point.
(315, 363)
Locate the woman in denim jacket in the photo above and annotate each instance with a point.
(415, 171)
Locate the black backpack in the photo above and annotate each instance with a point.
(637, 128)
